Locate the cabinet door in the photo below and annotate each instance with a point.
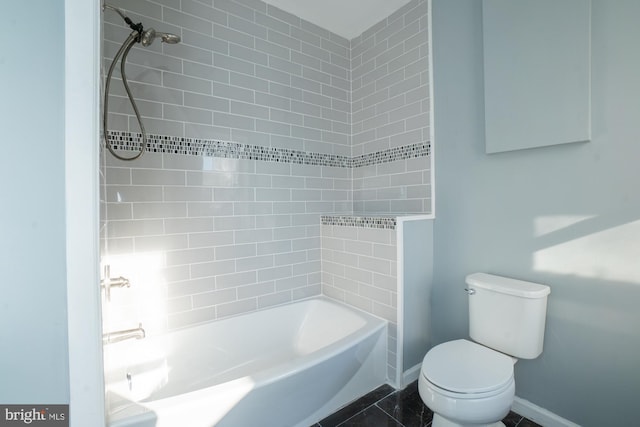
(536, 73)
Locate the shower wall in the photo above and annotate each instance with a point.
(258, 123)
(390, 114)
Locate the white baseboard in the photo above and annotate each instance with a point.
(539, 415)
(410, 375)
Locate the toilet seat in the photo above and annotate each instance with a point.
(463, 367)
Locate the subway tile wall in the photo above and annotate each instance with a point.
(207, 237)
(244, 72)
(204, 235)
(359, 267)
(390, 108)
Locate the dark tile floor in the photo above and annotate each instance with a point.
(386, 407)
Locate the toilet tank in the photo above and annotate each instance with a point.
(507, 314)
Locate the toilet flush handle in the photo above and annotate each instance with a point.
(470, 291)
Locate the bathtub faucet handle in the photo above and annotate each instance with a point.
(108, 282)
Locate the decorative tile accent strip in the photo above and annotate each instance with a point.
(131, 141)
(384, 222)
(420, 149)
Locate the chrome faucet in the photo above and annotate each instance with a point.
(126, 334)
(107, 283)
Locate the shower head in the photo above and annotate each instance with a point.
(150, 35)
(146, 37)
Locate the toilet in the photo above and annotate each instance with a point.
(470, 382)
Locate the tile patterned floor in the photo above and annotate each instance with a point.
(387, 407)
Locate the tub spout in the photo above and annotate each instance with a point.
(126, 334)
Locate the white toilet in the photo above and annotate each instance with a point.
(470, 383)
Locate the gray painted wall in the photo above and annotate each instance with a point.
(566, 216)
(33, 318)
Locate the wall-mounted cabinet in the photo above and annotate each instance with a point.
(536, 73)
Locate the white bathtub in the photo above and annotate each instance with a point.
(286, 366)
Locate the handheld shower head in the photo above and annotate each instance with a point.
(150, 35)
(146, 37)
(169, 38)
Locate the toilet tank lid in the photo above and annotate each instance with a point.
(508, 286)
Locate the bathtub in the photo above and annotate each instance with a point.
(287, 366)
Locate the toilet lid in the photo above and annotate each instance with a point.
(463, 366)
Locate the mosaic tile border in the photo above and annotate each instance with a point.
(386, 223)
(421, 149)
(130, 141)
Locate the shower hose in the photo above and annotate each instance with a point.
(123, 51)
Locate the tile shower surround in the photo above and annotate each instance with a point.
(249, 73)
(299, 123)
(359, 267)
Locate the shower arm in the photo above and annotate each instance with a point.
(136, 27)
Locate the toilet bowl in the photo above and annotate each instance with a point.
(466, 384)
(470, 383)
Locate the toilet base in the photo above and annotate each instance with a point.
(440, 421)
